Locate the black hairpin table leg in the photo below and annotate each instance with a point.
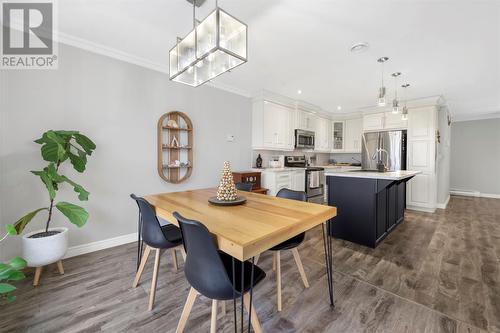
(327, 244)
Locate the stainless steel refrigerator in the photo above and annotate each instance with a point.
(387, 148)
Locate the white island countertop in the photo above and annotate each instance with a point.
(390, 175)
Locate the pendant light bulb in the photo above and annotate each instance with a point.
(404, 113)
(381, 91)
(395, 106)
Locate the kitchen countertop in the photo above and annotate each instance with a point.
(391, 175)
(338, 168)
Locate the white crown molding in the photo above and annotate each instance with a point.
(480, 116)
(132, 59)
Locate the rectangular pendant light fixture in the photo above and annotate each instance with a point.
(216, 45)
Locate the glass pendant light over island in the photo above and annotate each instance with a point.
(404, 113)
(381, 90)
(216, 45)
(395, 101)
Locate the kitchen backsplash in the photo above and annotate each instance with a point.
(345, 158)
(321, 158)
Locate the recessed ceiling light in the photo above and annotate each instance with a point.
(359, 47)
(339, 107)
(299, 91)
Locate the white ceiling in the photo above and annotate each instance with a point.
(442, 47)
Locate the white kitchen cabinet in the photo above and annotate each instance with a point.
(338, 136)
(306, 120)
(272, 126)
(394, 121)
(298, 180)
(275, 180)
(422, 189)
(322, 135)
(353, 133)
(373, 122)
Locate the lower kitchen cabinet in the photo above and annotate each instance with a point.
(275, 180)
(367, 209)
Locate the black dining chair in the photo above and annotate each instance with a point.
(214, 274)
(290, 244)
(156, 237)
(247, 187)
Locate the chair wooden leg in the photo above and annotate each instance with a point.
(144, 259)
(213, 322)
(223, 307)
(187, 310)
(60, 267)
(278, 279)
(38, 273)
(254, 319)
(154, 280)
(256, 259)
(274, 261)
(296, 256)
(174, 259)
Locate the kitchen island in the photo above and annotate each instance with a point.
(370, 204)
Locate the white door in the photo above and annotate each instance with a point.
(353, 133)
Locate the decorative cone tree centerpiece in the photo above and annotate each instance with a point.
(226, 192)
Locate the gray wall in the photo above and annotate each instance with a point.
(117, 105)
(475, 156)
(443, 157)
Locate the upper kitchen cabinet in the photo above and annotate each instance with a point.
(373, 122)
(306, 120)
(383, 121)
(272, 126)
(322, 135)
(353, 133)
(394, 121)
(338, 130)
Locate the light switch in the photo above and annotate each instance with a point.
(230, 138)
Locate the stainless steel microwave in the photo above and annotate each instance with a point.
(304, 139)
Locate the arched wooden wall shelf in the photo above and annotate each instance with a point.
(175, 147)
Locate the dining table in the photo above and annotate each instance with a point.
(247, 230)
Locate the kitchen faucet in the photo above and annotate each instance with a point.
(379, 152)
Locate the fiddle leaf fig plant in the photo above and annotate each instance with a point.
(58, 147)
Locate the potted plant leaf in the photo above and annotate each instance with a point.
(10, 271)
(49, 245)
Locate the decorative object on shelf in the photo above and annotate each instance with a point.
(216, 45)
(250, 177)
(449, 119)
(258, 162)
(395, 101)
(381, 90)
(47, 246)
(172, 123)
(404, 113)
(226, 192)
(174, 143)
(438, 136)
(175, 159)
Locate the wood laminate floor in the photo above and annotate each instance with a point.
(436, 273)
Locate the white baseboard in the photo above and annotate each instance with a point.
(421, 209)
(445, 204)
(476, 194)
(100, 245)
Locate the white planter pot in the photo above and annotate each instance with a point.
(46, 250)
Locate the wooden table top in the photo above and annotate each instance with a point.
(246, 230)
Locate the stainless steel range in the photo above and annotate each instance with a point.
(314, 178)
